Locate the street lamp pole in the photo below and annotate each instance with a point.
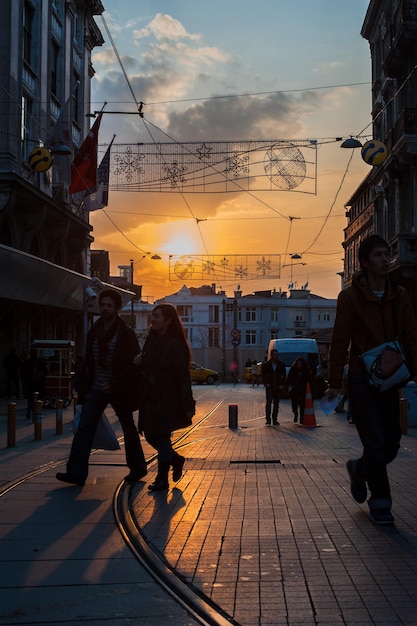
(132, 303)
(293, 256)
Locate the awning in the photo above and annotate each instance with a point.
(28, 278)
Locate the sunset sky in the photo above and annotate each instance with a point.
(297, 71)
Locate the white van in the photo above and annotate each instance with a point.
(290, 349)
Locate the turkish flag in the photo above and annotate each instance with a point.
(84, 166)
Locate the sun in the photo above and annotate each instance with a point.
(181, 245)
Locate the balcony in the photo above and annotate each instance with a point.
(400, 37)
(299, 324)
(403, 137)
(404, 251)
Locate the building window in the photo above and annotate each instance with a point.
(185, 312)
(250, 314)
(250, 337)
(213, 337)
(213, 314)
(189, 335)
(54, 69)
(26, 125)
(76, 105)
(28, 14)
(299, 317)
(275, 315)
(274, 334)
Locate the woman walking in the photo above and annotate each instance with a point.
(297, 379)
(166, 401)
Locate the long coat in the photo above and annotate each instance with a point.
(165, 388)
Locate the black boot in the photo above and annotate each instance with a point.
(177, 465)
(161, 481)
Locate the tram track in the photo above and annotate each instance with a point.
(199, 606)
(193, 600)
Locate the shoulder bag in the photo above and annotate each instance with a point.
(386, 364)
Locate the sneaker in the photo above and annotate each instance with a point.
(357, 485)
(381, 517)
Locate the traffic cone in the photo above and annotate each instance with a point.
(309, 420)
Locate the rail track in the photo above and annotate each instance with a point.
(203, 610)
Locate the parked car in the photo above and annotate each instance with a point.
(200, 374)
(253, 374)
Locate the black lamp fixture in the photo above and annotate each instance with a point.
(60, 149)
(351, 142)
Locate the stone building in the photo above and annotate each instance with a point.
(386, 201)
(45, 235)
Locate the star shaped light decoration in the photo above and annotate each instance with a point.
(203, 152)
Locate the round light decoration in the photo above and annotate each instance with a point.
(374, 152)
(40, 159)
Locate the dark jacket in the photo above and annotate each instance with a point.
(275, 379)
(366, 321)
(165, 388)
(297, 380)
(124, 373)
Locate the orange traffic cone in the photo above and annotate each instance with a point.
(309, 420)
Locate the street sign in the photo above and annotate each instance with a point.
(235, 332)
(235, 341)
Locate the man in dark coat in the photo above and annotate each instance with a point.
(274, 378)
(108, 377)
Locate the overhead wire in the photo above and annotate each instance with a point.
(148, 122)
(139, 108)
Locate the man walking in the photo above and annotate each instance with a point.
(274, 378)
(108, 376)
(372, 311)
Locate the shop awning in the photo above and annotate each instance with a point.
(28, 278)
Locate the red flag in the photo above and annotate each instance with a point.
(84, 166)
(98, 197)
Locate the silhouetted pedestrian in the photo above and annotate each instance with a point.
(108, 377)
(166, 400)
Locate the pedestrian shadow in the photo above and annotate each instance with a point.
(57, 538)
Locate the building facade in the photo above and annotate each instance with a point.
(45, 235)
(222, 329)
(386, 201)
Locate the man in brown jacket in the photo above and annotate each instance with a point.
(369, 312)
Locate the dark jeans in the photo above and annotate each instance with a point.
(94, 404)
(298, 401)
(272, 402)
(377, 420)
(162, 443)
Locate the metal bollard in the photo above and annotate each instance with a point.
(11, 425)
(403, 415)
(34, 401)
(38, 420)
(232, 415)
(58, 416)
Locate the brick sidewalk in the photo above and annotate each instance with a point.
(262, 522)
